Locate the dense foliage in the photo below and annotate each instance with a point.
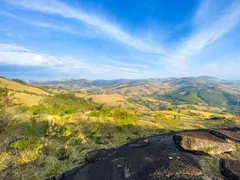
(61, 104)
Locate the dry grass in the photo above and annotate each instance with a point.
(144, 89)
(109, 99)
(4, 83)
(27, 99)
(203, 108)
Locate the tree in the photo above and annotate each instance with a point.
(5, 101)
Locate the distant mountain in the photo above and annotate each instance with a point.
(82, 83)
(188, 90)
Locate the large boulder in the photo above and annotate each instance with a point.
(230, 168)
(158, 157)
(147, 159)
(203, 142)
(232, 134)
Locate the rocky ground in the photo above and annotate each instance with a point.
(196, 154)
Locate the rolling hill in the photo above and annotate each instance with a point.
(203, 90)
(23, 93)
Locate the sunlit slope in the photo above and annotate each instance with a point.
(23, 94)
(27, 99)
(5, 83)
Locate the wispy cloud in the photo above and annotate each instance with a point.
(11, 54)
(18, 55)
(121, 69)
(41, 24)
(209, 24)
(205, 35)
(106, 27)
(128, 64)
(12, 48)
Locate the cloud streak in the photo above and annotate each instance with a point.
(64, 28)
(106, 27)
(205, 35)
(209, 24)
(11, 54)
(18, 55)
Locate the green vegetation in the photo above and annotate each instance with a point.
(19, 81)
(52, 136)
(213, 96)
(187, 95)
(61, 104)
(5, 101)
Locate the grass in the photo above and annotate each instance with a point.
(27, 99)
(109, 99)
(5, 83)
(53, 136)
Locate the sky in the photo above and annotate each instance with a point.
(115, 39)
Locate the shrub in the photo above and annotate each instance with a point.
(29, 144)
(161, 117)
(5, 101)
(95, 130)
(94, 114)
(166, 121)
(27, 156)
(37, 129)
(28, 150)
(123, 117)
(19, 81)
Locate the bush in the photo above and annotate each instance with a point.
(123, 117)
(5, 102)
(37, 129)
(166, 121)
(19, 81)
(28, 144)
(94, 114)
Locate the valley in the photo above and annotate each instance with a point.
(48, 127)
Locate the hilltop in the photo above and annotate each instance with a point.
(47, 129)
(189, 155)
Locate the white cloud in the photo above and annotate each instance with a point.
(224, 70)
(205, 35)
(121, 69)
(129, 64)
(210, 24)
(12, 48)
(18, 55)
(108, 28)
(64, 28)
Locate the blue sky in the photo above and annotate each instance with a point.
(112, 39)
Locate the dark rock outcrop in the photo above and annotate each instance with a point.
(151, 158)
(230, 169)
(203, 142)
(232, 134)
(98, 154)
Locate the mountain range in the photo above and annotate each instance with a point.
(188, 90)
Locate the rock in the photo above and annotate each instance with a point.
(230, 168)
(203, 142)
(63, 158)
(157, 157)
(140, 143)
(146, 163)
(97, 154)
(232, 134)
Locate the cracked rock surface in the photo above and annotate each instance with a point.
(168, 156)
